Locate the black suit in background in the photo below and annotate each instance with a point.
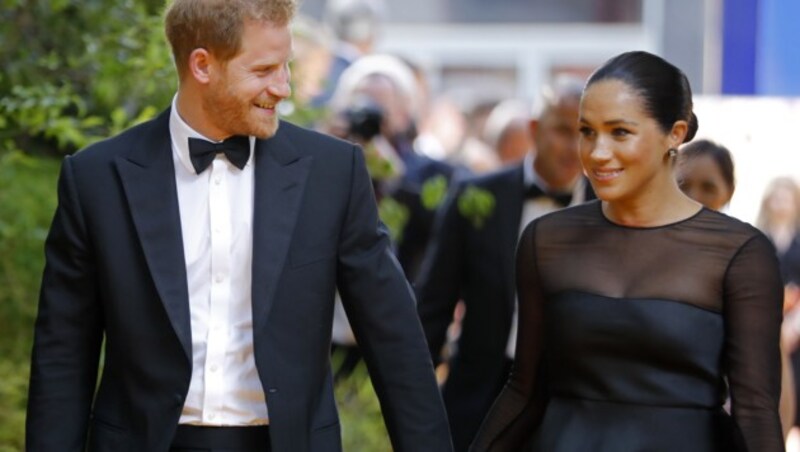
(115, 268)
(408, 192)
(475, 265)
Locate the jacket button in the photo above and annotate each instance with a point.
(272, 390)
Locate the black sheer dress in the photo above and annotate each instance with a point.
(626, 335)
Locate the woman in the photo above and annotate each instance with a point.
(634, 308)
(779, 219)
(705, 173)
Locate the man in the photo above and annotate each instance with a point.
(474, 261)
(389, 83)
(206, 246)
(376, 104)
(355, 25)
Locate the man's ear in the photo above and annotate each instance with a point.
(200, 62)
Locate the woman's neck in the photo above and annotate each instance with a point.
(656, 207)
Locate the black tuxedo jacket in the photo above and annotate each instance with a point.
(115, 269)
(476, 265)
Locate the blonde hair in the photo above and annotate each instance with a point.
(764, 221)
(217, 25)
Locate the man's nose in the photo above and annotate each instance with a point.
(280, 89)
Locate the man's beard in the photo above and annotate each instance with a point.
(236, 116)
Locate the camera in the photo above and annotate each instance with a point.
(364, 118)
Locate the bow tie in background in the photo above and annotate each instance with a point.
(235, 148)
(534, 191)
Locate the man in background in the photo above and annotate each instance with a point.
(473, 261)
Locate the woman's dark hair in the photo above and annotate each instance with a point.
(663, 87)
(720, 154)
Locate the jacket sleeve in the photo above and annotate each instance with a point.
(381, 308)
(439, 284)
(68, 332)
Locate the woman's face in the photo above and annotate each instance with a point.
(700, 177)
(622, 148)
(781, 205)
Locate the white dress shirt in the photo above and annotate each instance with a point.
(531, 210)
(216, 210)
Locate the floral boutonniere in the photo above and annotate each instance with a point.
(476, 205)
(395, 216)
(433, 192)
(379, 167)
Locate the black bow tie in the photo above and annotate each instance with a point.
(235, 148)
(534, 191)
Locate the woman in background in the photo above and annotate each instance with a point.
(705, 173)
(636, 307)
(779, 219)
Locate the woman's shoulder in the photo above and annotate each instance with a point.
(723, 225)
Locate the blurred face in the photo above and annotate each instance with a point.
(781, 205)
(383, 92)
(700, 177)
(622, 148)
(515, 142)
(556, 136)
(242, 93)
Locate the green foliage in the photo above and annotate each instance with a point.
(434, 191)
(27, 202)
(379, 167)
(297, 113)
(395, 216)
(13, 392)
(360, 413)
(476, 205)
(75, 72)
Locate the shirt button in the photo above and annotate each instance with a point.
(217, 180)
(219, 278)
(214, 368)
(212, 416)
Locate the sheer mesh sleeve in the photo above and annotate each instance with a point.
(519, 407)
(752, 310)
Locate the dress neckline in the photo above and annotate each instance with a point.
(648, 228)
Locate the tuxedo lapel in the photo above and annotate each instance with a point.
(280, 179)
(148, 178)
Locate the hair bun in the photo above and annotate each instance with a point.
(692, 130)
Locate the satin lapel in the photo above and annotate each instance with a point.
(510, 194)
(148, 178)
(280, 181)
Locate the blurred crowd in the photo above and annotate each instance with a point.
(454, 184)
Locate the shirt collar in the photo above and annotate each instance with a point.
(531, 177)
(181, 132)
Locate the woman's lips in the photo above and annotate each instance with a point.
(605, 175)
